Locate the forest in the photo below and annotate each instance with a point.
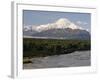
(33, 47)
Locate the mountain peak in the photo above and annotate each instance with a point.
(65, 23)
(60, 29)
(61, 23)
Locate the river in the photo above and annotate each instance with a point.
(75, 59)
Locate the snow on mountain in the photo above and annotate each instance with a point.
(60, 29)
(59, 24)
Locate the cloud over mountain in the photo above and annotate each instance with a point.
(59, 24)
(62, 28)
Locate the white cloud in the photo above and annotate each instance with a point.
(60, 23)
(81, 23)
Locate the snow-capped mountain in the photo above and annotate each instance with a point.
(59, 24)
(62, 28)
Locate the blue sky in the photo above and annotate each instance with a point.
(31, 17)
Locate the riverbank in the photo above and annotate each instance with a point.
(75, 59)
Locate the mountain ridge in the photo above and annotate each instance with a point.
(64, 34)
(62, 28)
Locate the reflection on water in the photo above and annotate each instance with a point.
(78, 58)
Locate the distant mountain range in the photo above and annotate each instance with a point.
(61, 29)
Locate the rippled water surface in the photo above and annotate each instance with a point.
(78, 58)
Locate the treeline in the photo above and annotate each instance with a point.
(46, 47)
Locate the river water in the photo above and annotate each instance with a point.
(75, 59)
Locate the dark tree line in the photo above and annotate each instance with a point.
(48, 47)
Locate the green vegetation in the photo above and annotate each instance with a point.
(47, 47)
